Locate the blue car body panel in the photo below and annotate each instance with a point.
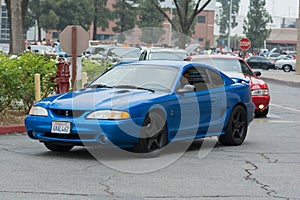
(213, 108)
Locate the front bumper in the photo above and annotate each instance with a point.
(123, 133)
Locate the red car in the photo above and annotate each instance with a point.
(236, 67)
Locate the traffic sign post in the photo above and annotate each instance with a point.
(74, 41)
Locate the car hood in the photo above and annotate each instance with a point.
(254, 81)
(101, 98)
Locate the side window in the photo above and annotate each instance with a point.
(202, 79)
(214, 79)
(245, 69)
(199, 79)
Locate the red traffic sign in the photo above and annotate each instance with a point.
(244, 43)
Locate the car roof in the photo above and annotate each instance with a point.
(166, 49)
(169, 63)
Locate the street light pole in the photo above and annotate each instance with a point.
(229, 25)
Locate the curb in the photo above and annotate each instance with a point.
(12, 129)
(290, 83)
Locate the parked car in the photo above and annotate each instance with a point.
(145, 106)
(286, 65)
(164, 54)
(281, 57)
(273, 55)
(260, 62)
(236, 67)
(97, 52)
(123, 54)
(41, 49)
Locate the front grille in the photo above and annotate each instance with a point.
(68, 113)
(69, 136)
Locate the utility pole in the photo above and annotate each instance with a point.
(229, 25)
(298, 45)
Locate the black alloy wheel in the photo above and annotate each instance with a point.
(153, 134)
(236, 129)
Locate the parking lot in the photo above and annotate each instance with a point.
(266, 166)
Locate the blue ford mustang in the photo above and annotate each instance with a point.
(145, 105)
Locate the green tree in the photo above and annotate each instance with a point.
(224, 17)
(125, 13)
(255, 24)
(101, 17)
(35, 11)
(148, 18)
(185, 14)
(57, 14)
(16, 13)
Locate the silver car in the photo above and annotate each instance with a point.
(286, 65)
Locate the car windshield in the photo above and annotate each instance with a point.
(165, 55)
(225, 65)
(150, 77)
(126, 52)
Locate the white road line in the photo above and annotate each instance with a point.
(287, 108)
(275, 121)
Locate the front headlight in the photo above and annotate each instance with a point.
(108, 114)
(38, 111)
(260, 92)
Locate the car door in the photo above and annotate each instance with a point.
(212, 102)
(201, 112)
(253, 62)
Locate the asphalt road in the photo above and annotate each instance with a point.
(266, 166)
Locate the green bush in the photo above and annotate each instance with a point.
(17, 79)
(94, 68)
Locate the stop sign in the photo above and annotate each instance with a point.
(244, 43)
(82, 39)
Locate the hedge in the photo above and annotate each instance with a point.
(17, 79)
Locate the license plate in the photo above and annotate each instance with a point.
(61, 127)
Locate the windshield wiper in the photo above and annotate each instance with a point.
(99, 86)
(133, 87)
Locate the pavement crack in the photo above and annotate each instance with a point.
(269, 159)
(107, 188)
(250, 177)
(44, 193)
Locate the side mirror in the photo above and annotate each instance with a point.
(257, 73)
(187, 58)
(186, 89)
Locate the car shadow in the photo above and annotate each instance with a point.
(178, 148)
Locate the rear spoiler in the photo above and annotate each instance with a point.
(240, 80)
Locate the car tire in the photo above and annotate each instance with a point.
(265, 68)
(58, 147)
(262, 114)
(286, 68)
(236, 130)
(153, 135)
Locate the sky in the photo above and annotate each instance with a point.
(278, 8)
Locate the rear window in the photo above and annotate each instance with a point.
(167, 55)
(226, 65)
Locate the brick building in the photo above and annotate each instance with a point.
(204, 30)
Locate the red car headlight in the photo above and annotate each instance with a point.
(260, 92)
